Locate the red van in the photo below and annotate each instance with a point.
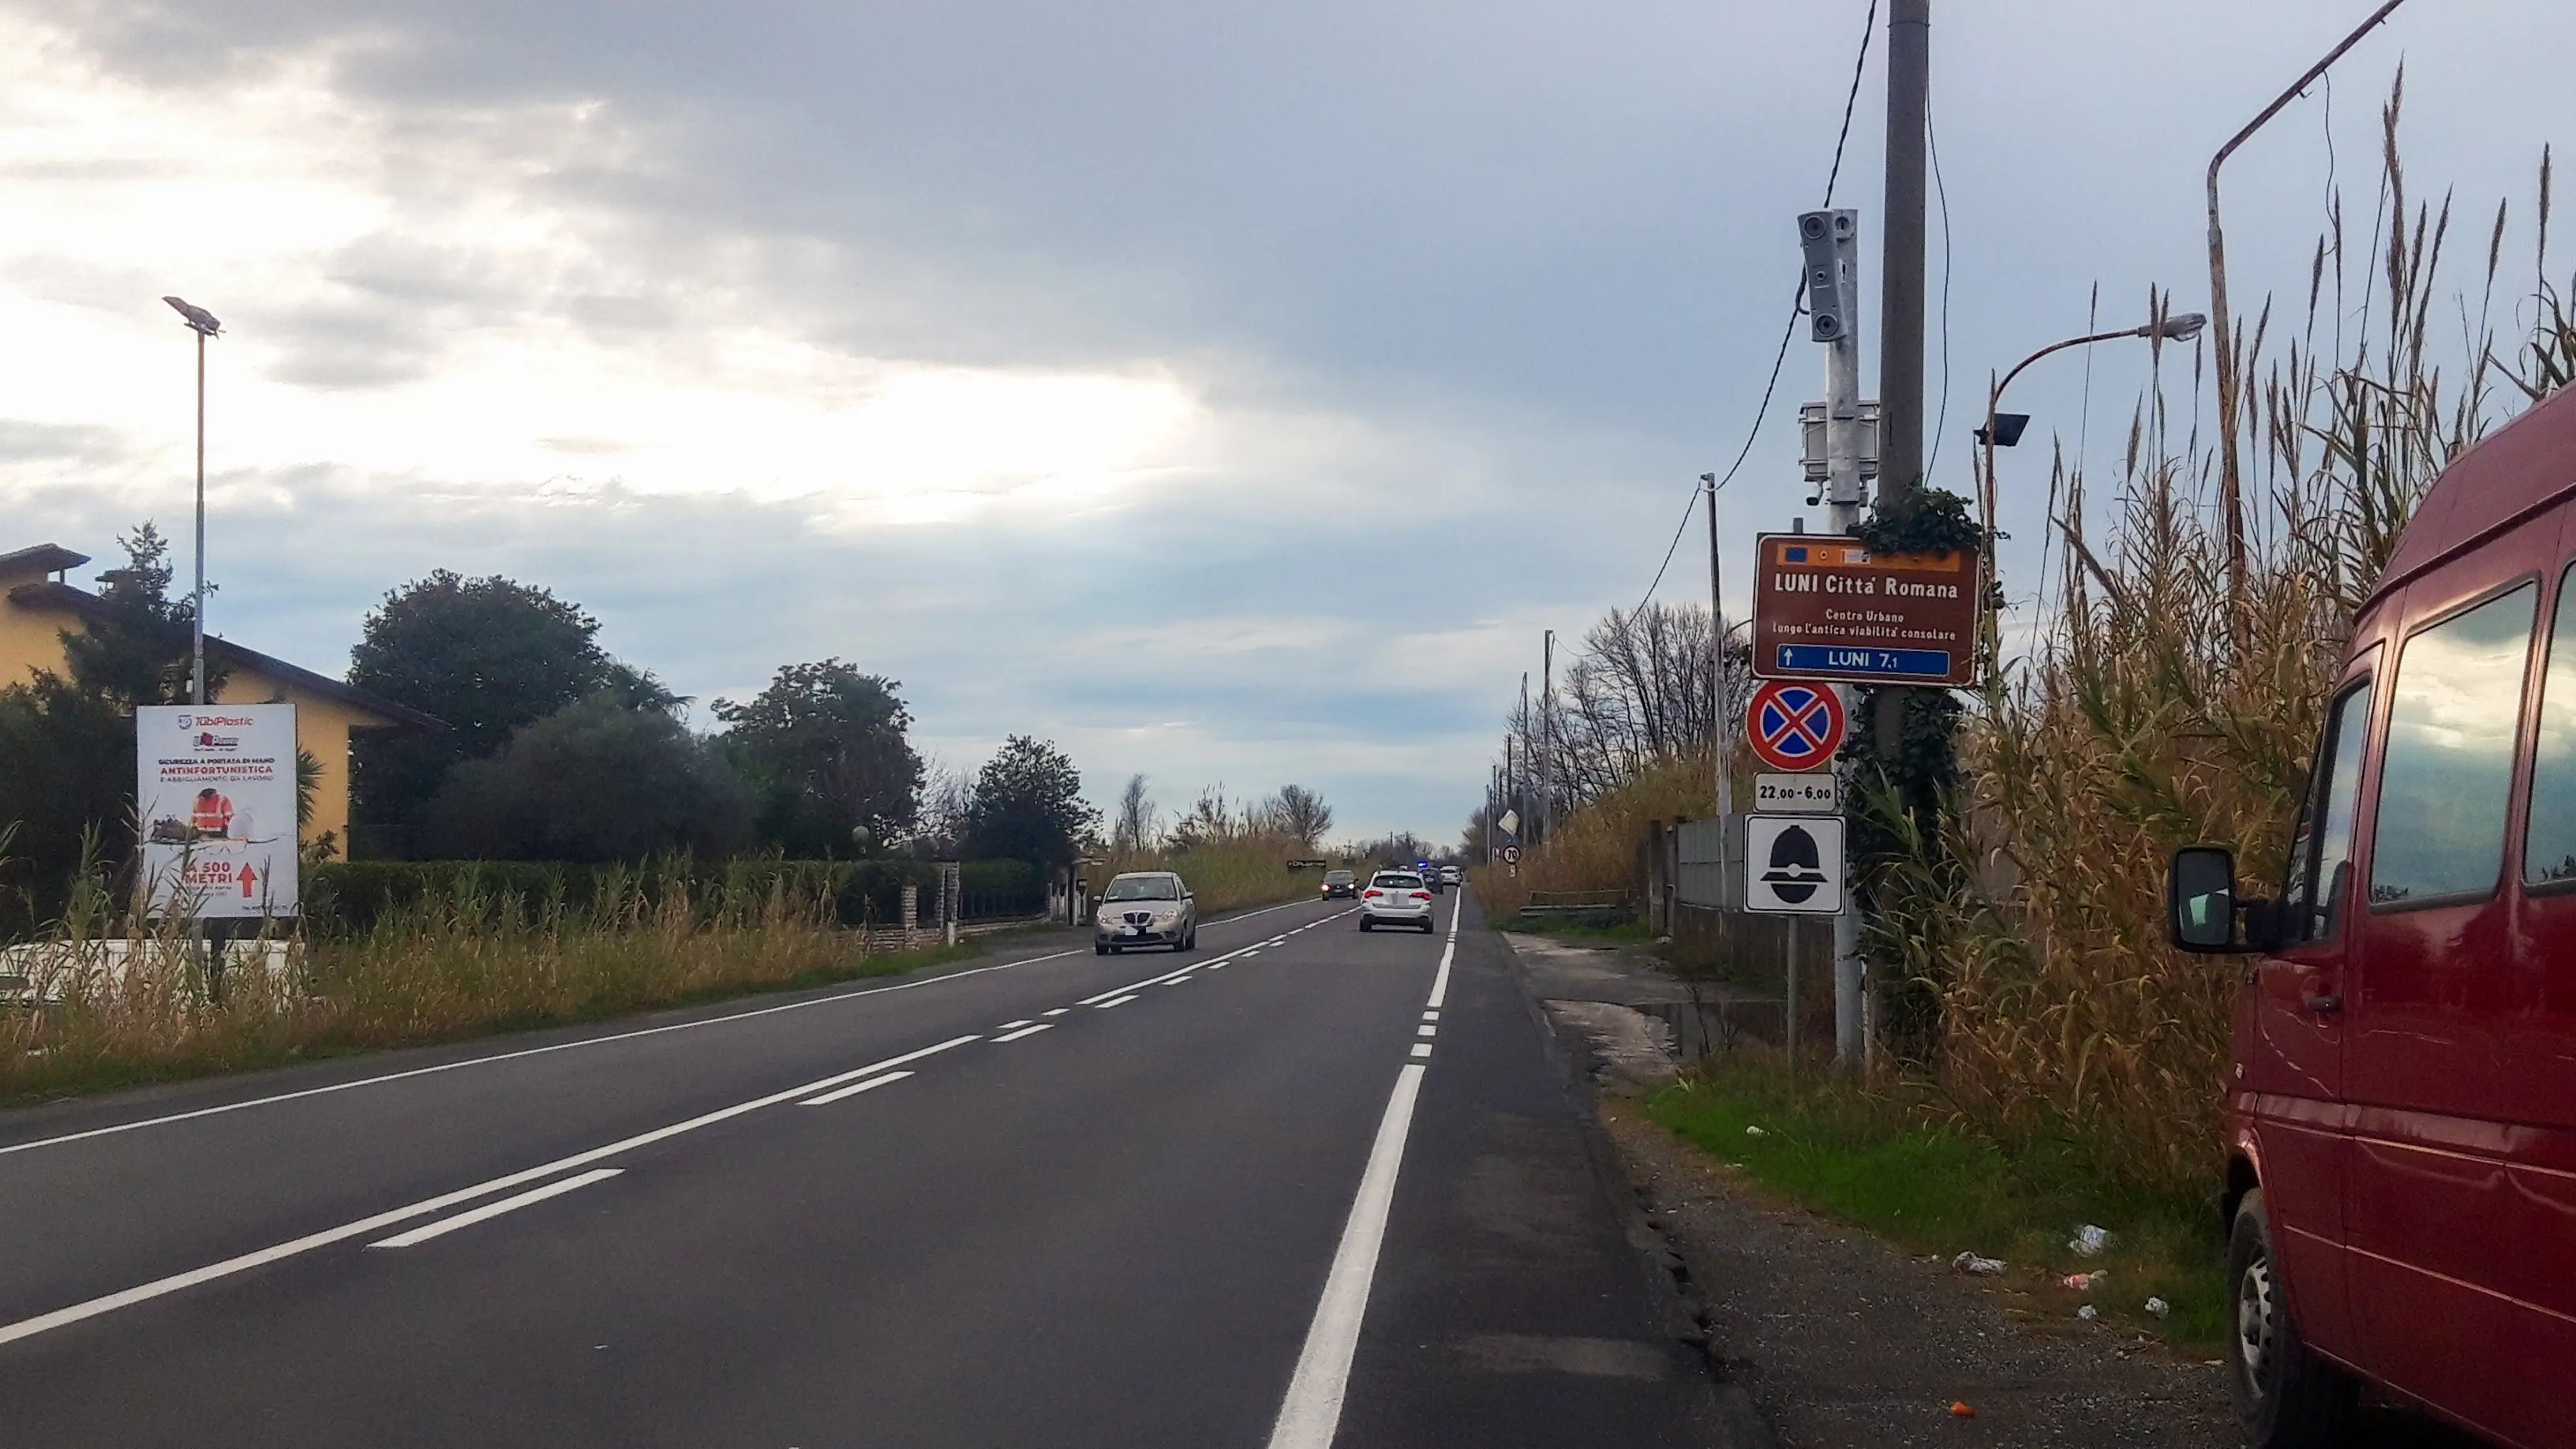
(2401, 1136)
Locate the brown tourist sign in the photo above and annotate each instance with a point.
(1826, 608)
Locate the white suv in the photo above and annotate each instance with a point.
(1449, 875)
(1395, 898)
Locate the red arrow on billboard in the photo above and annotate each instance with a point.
(1794, 725)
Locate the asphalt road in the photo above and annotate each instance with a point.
(1303, 1187)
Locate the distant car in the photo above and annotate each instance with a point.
(1145, 908)
(1430, 875)
(1396, 898)
(1449, 875)
(1340, 885)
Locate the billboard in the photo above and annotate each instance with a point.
(1826, 608)
(214, 795)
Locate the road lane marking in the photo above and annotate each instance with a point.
(1440, 982)
(1431, 1015)
(1059, 1011)
(1121, 1001)
(161, 1287)
(1426, 1030)
(565, 1046)
(1312, 1412)
(855, 1088)
(1024, 1031)
(490, 1210)
(1422, 1050)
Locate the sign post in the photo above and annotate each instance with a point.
(214, 794)
(1827, 608)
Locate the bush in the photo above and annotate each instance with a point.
(348, 898)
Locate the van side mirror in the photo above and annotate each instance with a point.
(2203, 909)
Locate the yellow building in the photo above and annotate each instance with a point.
(37, 606)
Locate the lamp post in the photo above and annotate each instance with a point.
(203, 323)
(2003, 429)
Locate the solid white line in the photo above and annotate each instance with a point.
(565, 1046)
(1440, 982)
(1312, 1412)
(1024, 1031)
(142, 1293)
(1422, 1049)
(444, 1226)
(855, 1088)
(1121, 1001)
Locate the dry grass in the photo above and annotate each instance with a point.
(1248, 870)
(468, 964)
(1600, 845)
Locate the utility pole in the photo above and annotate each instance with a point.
(1831, 240)
(1529, 812)
(1721, 726)
(1900, 306)
(1547, 721)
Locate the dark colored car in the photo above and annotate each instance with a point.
(2401, 1127)
(1340, 885)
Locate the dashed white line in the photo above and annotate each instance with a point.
(1059, 1011)
(1421, 1049)
(1010, 1026)
(1426, 1030)
(1024, 1031)
(1105, 1005)
(161, 1287)
(1431, 1015)
(855, 1088)
(489, 1210)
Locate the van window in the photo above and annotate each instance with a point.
(2320, 887)
(2549, 836)
(2447, 771)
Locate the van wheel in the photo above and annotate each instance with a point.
(2286, 1397)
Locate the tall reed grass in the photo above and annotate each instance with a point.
(2154, 711)
(1225, 875)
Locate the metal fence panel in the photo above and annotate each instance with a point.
(1701, 876)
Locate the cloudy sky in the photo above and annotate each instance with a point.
(1230, 393)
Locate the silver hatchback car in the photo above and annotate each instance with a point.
(1145, 908)
(1396, 898)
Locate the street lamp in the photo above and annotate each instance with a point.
(2003, 429)
(203, 323)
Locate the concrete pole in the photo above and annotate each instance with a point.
(197, 609)
(1721, 721)
(1529, 811)
(1843, 500)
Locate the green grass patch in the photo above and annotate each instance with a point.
(1885, 1164)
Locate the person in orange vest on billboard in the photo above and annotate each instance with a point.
(213, 816)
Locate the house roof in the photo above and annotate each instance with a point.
(51, 595)
(44, 558)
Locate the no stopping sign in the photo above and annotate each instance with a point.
(1794, 725)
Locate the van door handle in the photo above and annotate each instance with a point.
(2324, 1004)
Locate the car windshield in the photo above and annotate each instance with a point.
(1144, 888)
(1337, 877)
(1392, 881)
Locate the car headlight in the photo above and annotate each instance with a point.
(1165, 918)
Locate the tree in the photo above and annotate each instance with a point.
(67, 740)
(598, 781)
(488, 656)
(1133, 827)
(1028, 805)
(826, 746)
(1302, 813)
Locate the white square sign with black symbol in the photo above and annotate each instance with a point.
(1793, 864)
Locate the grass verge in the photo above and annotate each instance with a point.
(1880, 1163)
